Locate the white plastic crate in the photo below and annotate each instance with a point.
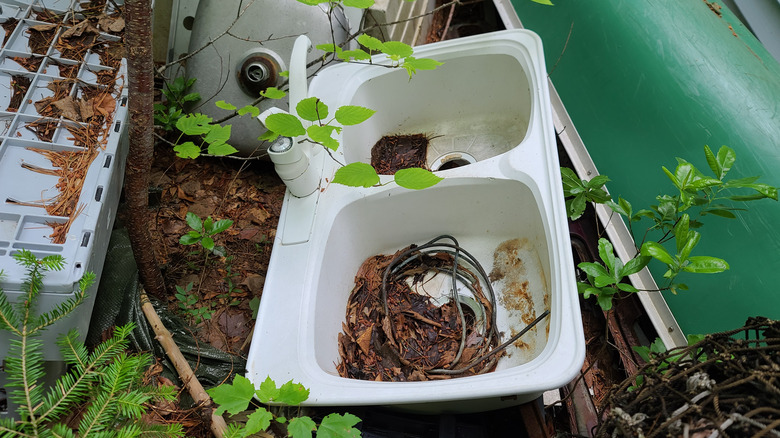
(29, 181)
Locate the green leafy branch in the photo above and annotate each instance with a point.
(235, 398)
(312, 120)
(213, 136)
(400, 54)
(670, 217)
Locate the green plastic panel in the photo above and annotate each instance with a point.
(648, 81)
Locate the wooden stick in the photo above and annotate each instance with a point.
(163, 336)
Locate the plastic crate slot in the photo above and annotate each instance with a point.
(85, 241)
(124, 101)
(98, 194)
(117, 125)
(48, 248)
(107, 164)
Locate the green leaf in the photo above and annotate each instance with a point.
(575, 207)
(193, 221)
(357, 54)
(268, 391)
(543, 2)
(603, 280)
(421, 63)
(301, 427)
(705, 265)
(272, 93)
(194, 124)
(356, 175)
(658, 252)
(607, 254)
(207, 242)
(312, 2)
(681, 231)
(746, 198)
(353, 115)
(292, 394)
(722, 212)
(726, 159)
(605, 300)
(674, 179)
(187, 150)
(416, 178)
(621, 207)
(397, 49)
(597, 181)
(338, 426)
(713, 162)
(249, 109)
(690, 243)
(190, 97)
(189, 239)
(258, 421)
(221, 149)
(285, 124)
(360, 4)
(220, 226)
(329, 48)
(234, 397)
(218, 134)
(225, 106)
(684, 173)
(593, 269)
(634, 265)
(268, 136)
(312, 109)
(569, 178)
(322, 134)
(625, 287)
(370, 42)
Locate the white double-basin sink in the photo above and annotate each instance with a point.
(487, 104)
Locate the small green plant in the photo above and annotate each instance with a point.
(671, 218)
(187, 304)
(168, 113)
(236, 397)
(203, 232)
(654, 352)
(107, 379)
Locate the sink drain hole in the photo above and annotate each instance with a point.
(452, 160)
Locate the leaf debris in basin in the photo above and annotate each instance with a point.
(397, 330)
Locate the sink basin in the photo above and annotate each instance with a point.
(506, 208)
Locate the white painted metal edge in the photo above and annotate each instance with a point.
(653, 302)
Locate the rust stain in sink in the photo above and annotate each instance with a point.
(514, 278)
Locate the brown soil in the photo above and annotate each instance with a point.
(395, 152)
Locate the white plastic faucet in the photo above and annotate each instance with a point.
(291, 157)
